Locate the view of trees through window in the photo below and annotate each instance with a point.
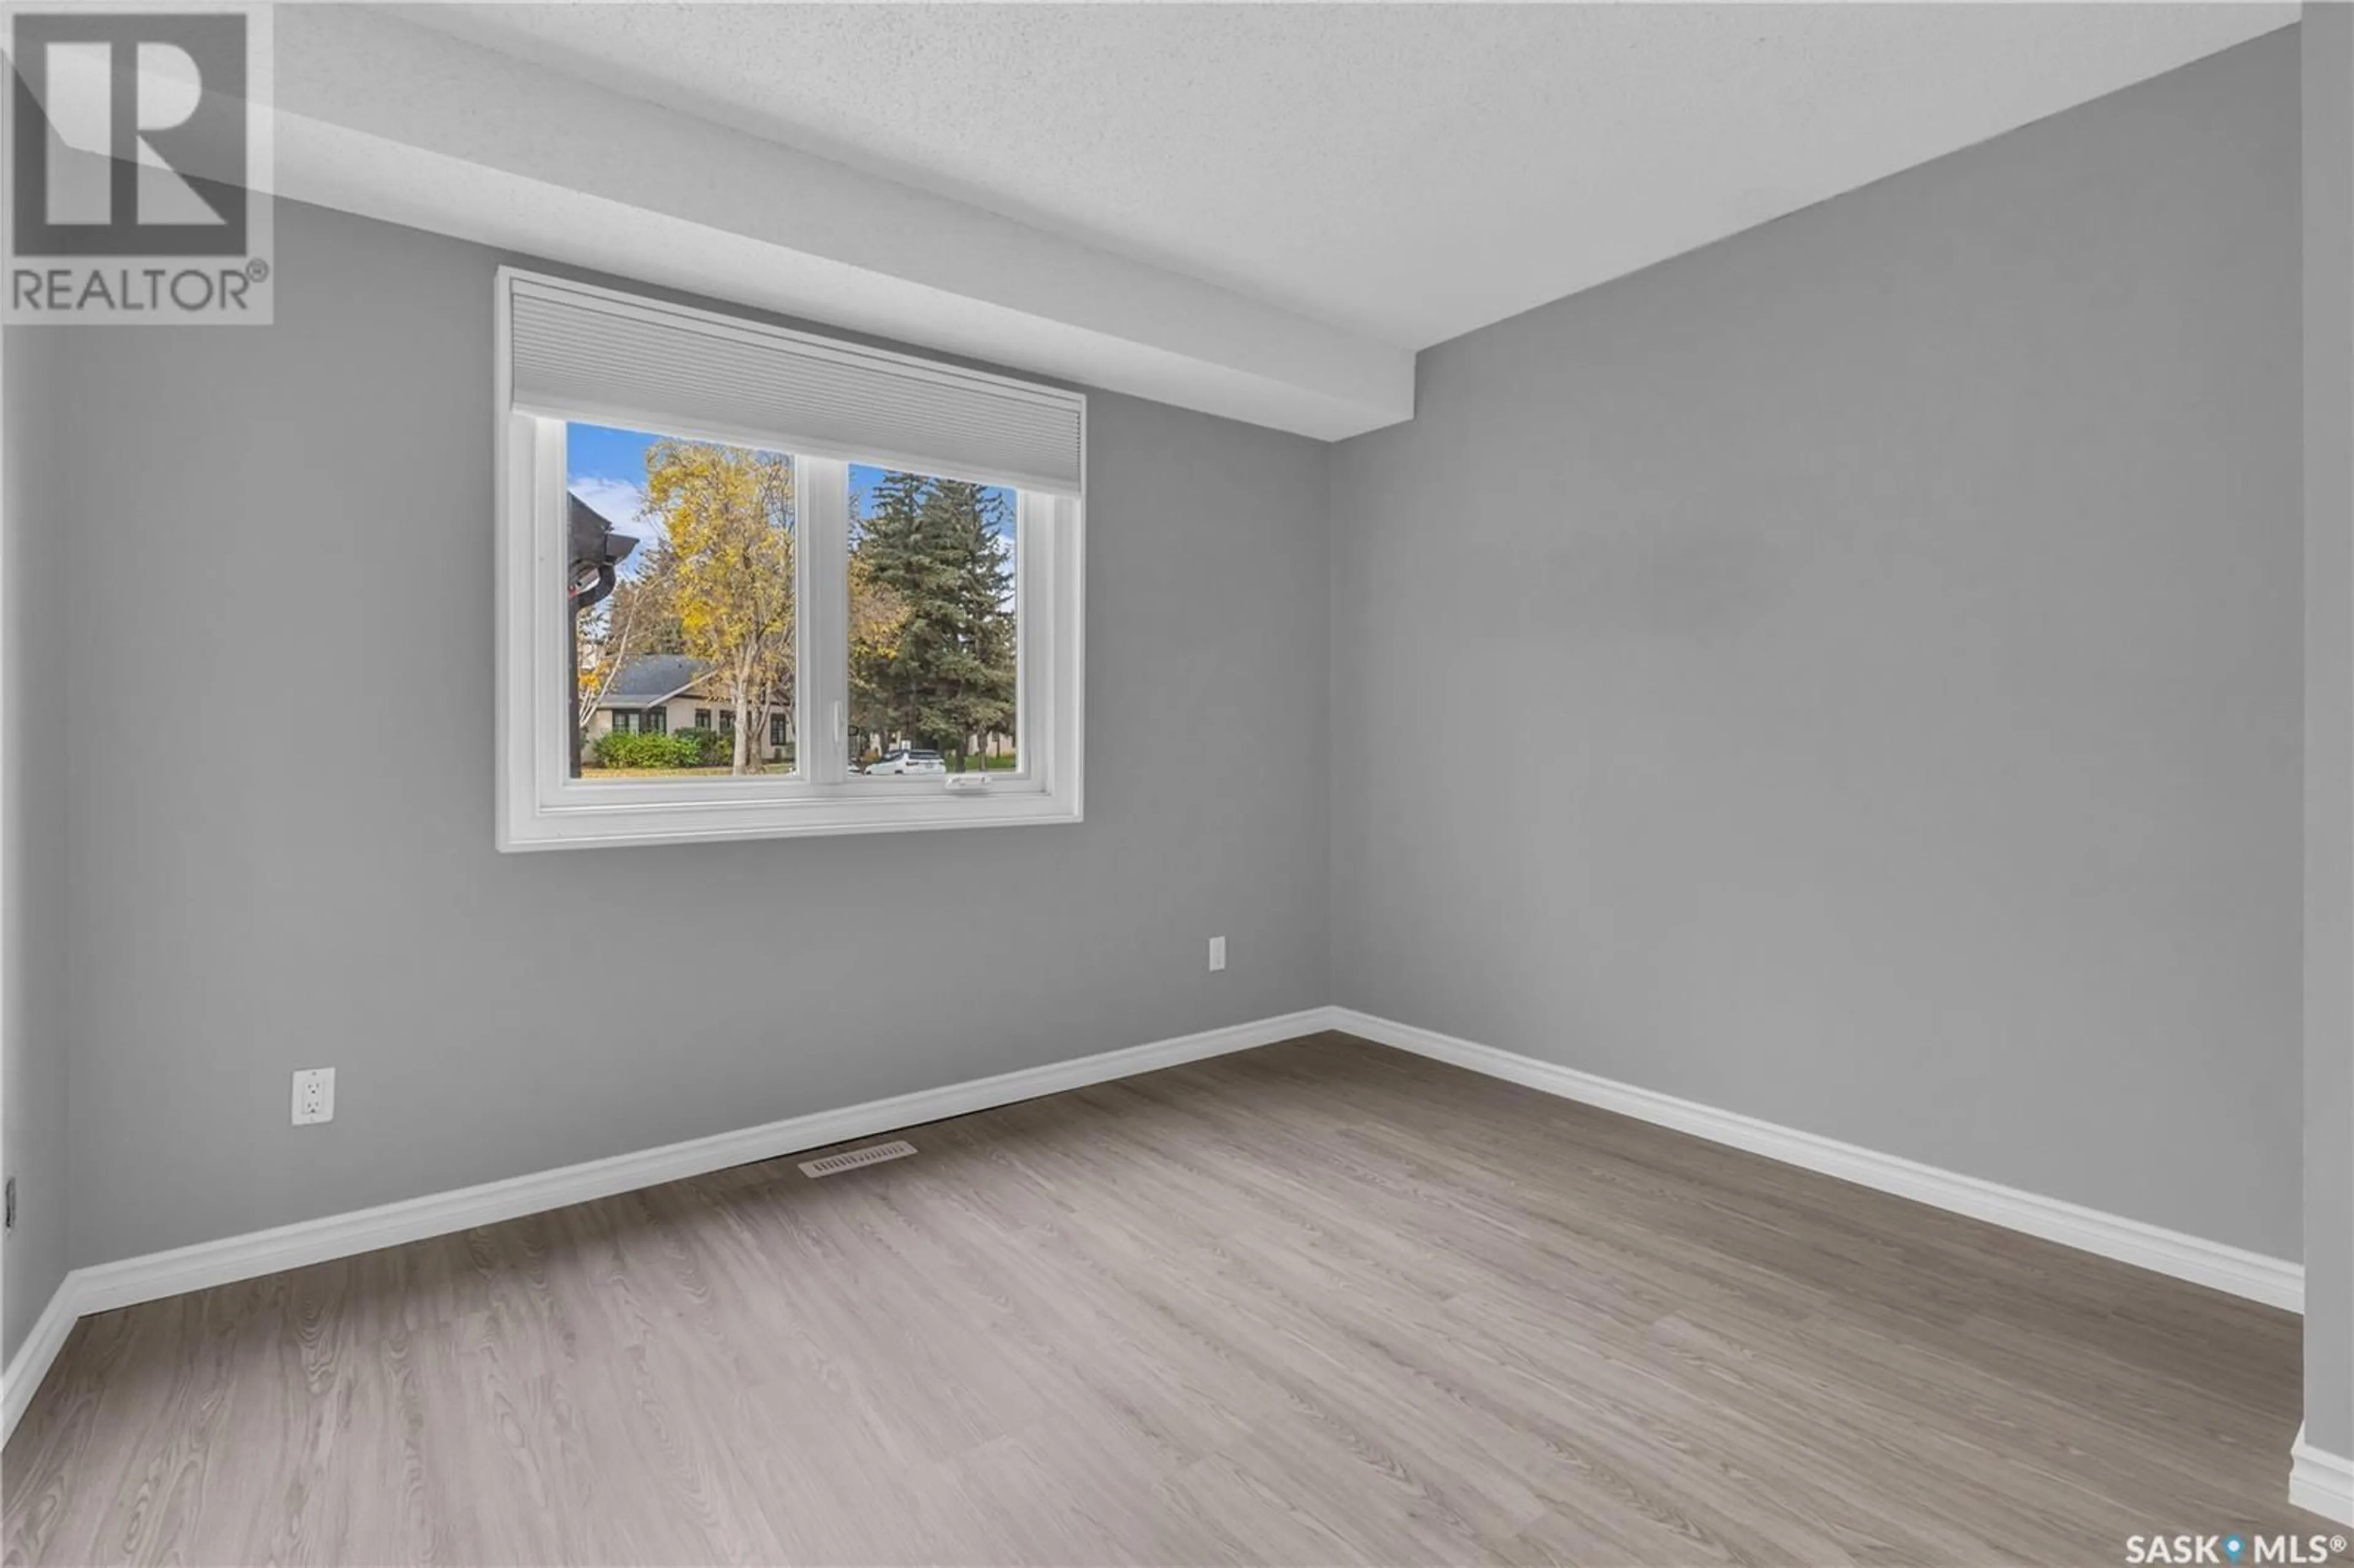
(932, 669)
(685, 637)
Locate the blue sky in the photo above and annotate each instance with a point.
(607, 467)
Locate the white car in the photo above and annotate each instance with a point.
(910, 762)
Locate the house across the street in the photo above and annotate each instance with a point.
(657, 693)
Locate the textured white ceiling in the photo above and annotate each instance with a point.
(1407, 172)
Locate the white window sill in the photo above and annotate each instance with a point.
(809, 816)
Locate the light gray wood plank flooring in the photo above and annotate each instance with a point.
(1319, 1303)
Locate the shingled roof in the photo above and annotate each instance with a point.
(654, 676)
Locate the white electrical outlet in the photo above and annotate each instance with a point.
(1217, 953)
(314, 1095)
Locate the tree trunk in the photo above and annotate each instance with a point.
(740, 754)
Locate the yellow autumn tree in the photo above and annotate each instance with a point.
(727, 512)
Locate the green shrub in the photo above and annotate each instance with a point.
(634, 749)
(705, 747)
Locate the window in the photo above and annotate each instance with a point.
(878, 556)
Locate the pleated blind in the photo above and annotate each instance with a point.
(581, 352)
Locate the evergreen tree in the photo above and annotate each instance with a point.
(935, 550)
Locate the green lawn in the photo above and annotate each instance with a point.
(1006, 763)
(590, 770)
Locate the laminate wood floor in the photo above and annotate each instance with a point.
(1323, 1302)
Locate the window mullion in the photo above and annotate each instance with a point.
(822, 683)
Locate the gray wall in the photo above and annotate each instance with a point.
(280, 662)
(2328, 96)
(32, 819)
(1849, 674)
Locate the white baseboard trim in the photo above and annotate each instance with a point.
(103, 1286)
(26, 1369)
(2321, 1482)
(2270, 1280)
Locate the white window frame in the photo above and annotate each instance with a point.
(541, 806)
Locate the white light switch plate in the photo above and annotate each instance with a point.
(1217, 953)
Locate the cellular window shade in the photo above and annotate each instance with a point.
(580, 351)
